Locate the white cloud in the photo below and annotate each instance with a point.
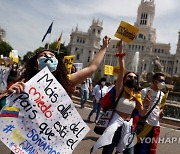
(26, 22)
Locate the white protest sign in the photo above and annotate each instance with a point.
(78, 66)
(4, 73)
(14, 53)
(42, 119)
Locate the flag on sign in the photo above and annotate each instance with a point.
(48, 31)
(59, 41)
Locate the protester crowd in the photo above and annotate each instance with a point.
(132, 103)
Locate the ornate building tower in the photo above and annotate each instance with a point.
(176, 68)
(95, 32)
(2, 34)
(85, 44)
(145, 19)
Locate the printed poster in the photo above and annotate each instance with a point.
(68, 61)
(42, 119)
(108, 70)
(111, 70)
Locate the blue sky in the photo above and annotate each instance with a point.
(26, 21)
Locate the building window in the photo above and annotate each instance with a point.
(132, 47)
(89, 51)
(78, 40)
(142, 48)
(140, 36)
(88, 59)
(176, 70)
(145, 22)
(78, 56)
(76, 49)
(94, 31)
(99, 31)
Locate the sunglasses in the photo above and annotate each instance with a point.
(132, 77)
(161, 80)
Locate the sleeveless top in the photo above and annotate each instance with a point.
(125, 105)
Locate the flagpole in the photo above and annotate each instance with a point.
(49, 42)
(60, 41)
(59, 48)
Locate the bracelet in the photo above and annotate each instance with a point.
(121, 54)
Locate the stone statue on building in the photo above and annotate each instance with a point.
(158, 67)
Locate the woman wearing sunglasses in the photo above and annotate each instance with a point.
(120, 129)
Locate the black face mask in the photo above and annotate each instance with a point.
(132, 83)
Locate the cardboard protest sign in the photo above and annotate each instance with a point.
(68, 61)
(42, 119)
(126, 32)
(14, 56)
(116, 70)
(4, 73)
(108, 70)
(164, 99)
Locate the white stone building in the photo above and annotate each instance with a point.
(85, 44)
(2, 34)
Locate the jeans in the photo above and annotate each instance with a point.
(97, 109)
(84, 97)
(108, 149)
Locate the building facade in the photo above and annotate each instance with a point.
(2, 34)
(140, 54)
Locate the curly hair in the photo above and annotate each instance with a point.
(60, 74)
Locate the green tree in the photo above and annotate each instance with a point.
(5, 48)
(52, 46)
(27, 55)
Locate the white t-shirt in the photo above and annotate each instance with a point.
(153, 118)
(97, 92)
(4, 73)
(86, 84)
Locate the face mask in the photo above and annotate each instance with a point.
(161, 85)
(132, 83)
(103, 83)
(50, 62)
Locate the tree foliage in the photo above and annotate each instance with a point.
(52, 46)
(5, 48)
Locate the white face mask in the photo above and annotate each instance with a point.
(161, 85)
(103, 83)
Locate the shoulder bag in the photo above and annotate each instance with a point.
(142, 120)
(105, 118)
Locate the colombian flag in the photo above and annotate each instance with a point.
(10, 111)
(108, 100)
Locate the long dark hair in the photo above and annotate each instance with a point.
(60, 74)
(102, 79)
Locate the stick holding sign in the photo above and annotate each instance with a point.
(126, 32)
